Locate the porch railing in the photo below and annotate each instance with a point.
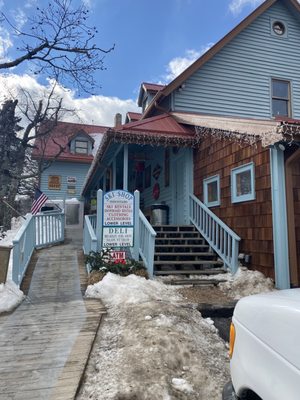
(89, 234)
(147, 243)
(49, 229)
(219, 236)
(37, 231)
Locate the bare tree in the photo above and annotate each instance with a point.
(60, 44)
(17, 169)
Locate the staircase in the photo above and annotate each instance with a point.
(182, 250)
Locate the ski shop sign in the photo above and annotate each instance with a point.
(118, 219)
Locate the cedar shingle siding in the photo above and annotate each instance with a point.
(251, 220)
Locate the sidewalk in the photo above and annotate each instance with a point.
(45, 343)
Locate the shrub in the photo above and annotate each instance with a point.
(102, 261)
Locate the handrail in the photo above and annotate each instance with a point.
(89, 236)
(37, 231)
(223, 240)
(93, 221)
(147, 243)
(23, 247)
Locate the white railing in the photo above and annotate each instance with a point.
(89, 235)
(37, 231)
(49, 229)
(93, 221)
(219, 236)
(147, 243)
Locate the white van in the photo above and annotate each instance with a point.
(265, 347)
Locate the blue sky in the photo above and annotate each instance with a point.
(154, 40)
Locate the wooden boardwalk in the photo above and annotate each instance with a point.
(46, 341)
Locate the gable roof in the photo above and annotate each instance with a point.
(177, 82)
(148, 87)
(161, 130)
(57, 141)
(132, 116)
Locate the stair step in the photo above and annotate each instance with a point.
(196, 282)
(213, 271)
(174, 241)
(192, 262)
(174, 228)
(189, 254)
(170, 234)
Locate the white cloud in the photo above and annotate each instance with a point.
(30, 3)
(5, 43)
(98, 110)
(179, 64)
(20, 17)
(236, 6)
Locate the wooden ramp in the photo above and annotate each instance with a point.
(46, 342)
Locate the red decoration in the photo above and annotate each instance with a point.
(156, 191)
(139, 166)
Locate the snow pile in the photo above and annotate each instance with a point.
(10, 294)
(246, 282)
(152, 345)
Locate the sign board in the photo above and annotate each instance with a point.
(117, 237)
(54, 182)
(118, 219)
(118, 255)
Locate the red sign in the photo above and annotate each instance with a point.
(118, 255)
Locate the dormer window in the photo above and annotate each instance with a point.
(81, 146)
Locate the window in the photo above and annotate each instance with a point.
(280, 98)
(279, 28)
(81, 146)
(211, 190)
(242, 183)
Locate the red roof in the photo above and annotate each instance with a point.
(48, 146)
(134, 116)
(155, 87)
(160, 124)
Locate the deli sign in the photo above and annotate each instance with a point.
(118, 219)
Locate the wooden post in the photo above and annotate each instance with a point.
(136, 248)
(99, 226)
(125, 168)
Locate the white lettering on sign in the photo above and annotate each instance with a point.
(118, 208)
(117, 255)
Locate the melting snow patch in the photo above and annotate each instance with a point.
(182, 385)
(246, 282)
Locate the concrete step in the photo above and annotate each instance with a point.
(174, 228)
(185, 256)
(195, 282)
(176, 241)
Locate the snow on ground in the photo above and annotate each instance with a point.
(152, 345)
(246, 282)
(10, 294)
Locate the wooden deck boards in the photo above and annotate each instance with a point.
(45, 343)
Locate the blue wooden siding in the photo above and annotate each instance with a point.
(167, 195)
(64, 169)
(237, 80)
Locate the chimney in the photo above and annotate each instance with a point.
(118, 120)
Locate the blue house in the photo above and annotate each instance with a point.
(219, 148)
(66, 155)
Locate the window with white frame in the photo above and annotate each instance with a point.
(81, 146)
(281, 98)
(242, 183)
(211, 190)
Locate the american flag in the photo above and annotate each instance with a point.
(39, 200)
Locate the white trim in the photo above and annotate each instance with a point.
(236, 171)
(206, 182)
